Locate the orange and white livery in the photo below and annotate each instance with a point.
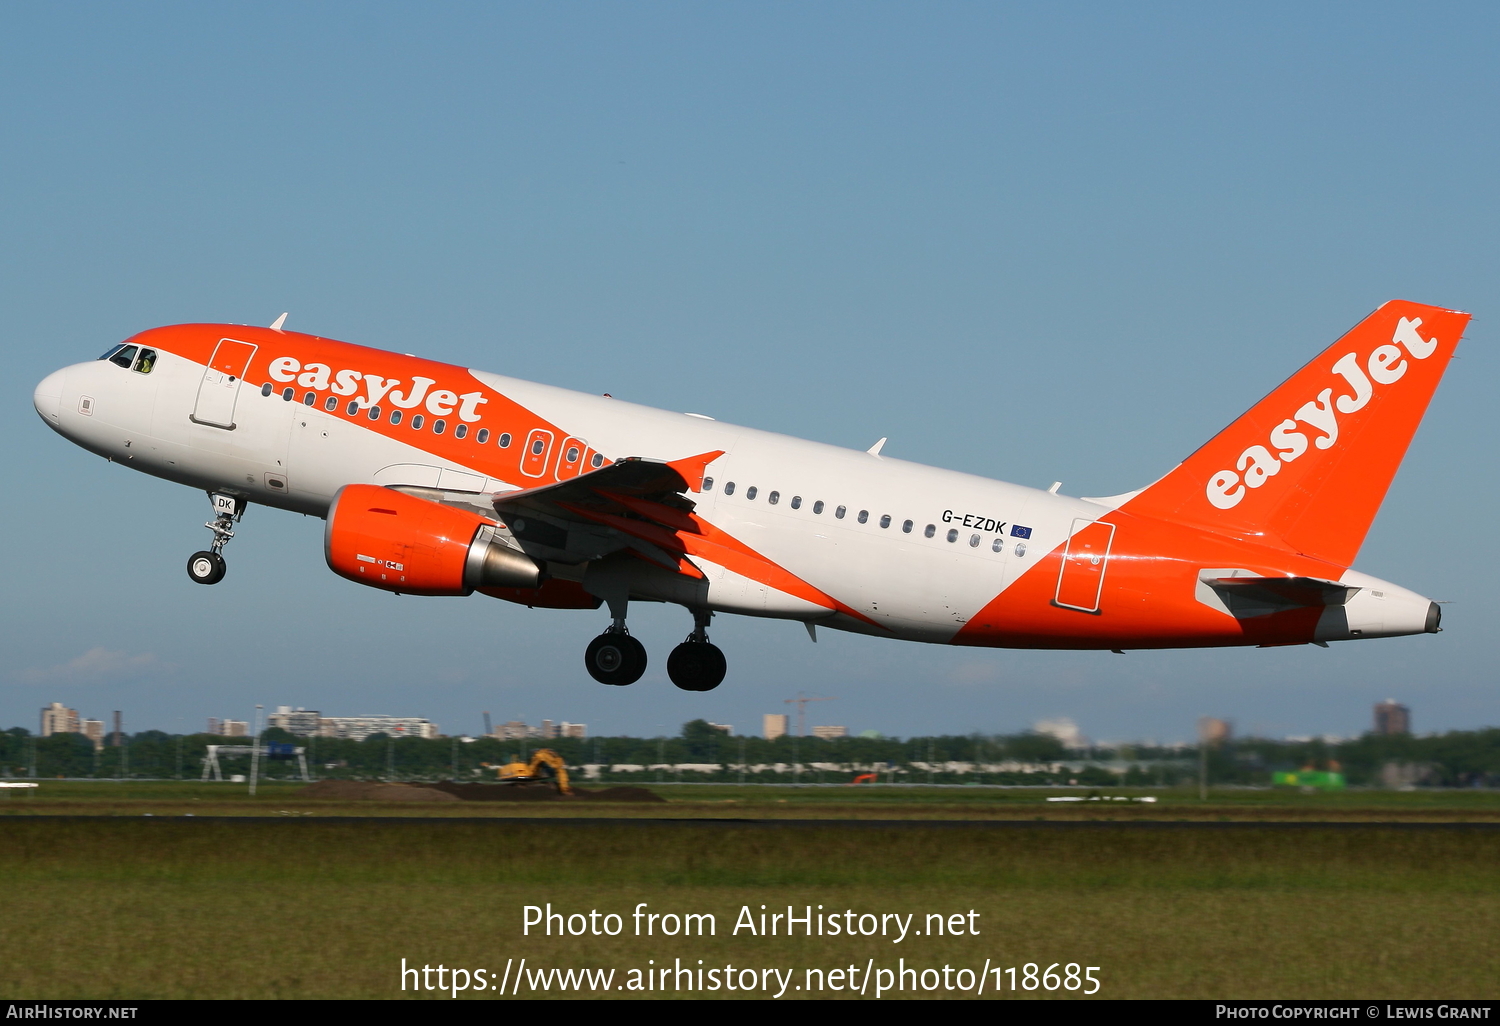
(440, 480)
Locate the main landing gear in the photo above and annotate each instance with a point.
(616, 658)
(697, 665)
(208, 567)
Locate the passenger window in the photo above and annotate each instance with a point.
(953, 535)
(395, 417)
(416, 421)
(505, 440)
(796, 502)
(146, 362)
(571, 455)
(267, 388)
(839, 513)
(537, 447)
(931, 529)
(750, 492)
(460, 430)
(729, 488)
(818, 506)
(598, 461)
(352, 408)
(885, 521)
(288, 393)
(374, 412)
(438, 426)
(483, 436)
(864, 516)
(331, 404)
(999, 544)
(773, 498)
(974, 541)
(124, 358)
(708, 484)
(310, 399)
(906, 526)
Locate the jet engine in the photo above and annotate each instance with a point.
(398, 542)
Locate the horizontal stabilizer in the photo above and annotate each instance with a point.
(1283, 591)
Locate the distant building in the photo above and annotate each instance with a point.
(773, 725)
(723, 728)
(515, 730)
(94, 731)
(1391, 717)
(357, 728)
(299, 721)
(1064, 729)
(829, 733)
(1213, 731)
(228, 728)
(59, 719)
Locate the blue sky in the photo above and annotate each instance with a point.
(1036, 242)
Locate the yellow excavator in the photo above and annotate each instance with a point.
(530, 772)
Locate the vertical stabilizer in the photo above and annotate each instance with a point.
(1309, 464)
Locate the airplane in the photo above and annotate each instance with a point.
(434, 479)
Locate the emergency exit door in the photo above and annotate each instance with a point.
(1082, 577)
(220, 386)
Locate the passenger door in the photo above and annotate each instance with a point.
(1082, 577)
(220, 386)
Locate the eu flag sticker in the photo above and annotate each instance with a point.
(1017, 531)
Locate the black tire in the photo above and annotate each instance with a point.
(615, 659)
(206, 567)
(697, 666)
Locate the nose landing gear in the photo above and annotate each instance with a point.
(697, 665)
(208, 566)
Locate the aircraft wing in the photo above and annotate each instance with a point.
(640, 502)
(644, 503)
(634, 476)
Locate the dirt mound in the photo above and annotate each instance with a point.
(542, 793)
(354, 790)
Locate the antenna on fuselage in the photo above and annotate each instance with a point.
(874, 450)
(278, 322)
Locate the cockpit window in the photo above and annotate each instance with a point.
(145, 361)
(123, 357)
(112, 350)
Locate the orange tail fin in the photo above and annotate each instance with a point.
(1310, 463)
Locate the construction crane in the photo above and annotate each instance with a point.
(801, 702)
(519, 772)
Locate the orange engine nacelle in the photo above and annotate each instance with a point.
(388, 539)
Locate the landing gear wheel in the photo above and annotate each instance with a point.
(615, 658)
(697, 666)
(206, 567)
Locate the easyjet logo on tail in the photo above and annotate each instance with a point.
(1320, 415)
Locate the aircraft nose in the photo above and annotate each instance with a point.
(48, 397)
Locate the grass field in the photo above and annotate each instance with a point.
(126, 906)
(726, 801)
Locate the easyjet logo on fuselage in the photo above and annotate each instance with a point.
(320, 377)
(1384, 366)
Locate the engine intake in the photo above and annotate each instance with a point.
(387, 539)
